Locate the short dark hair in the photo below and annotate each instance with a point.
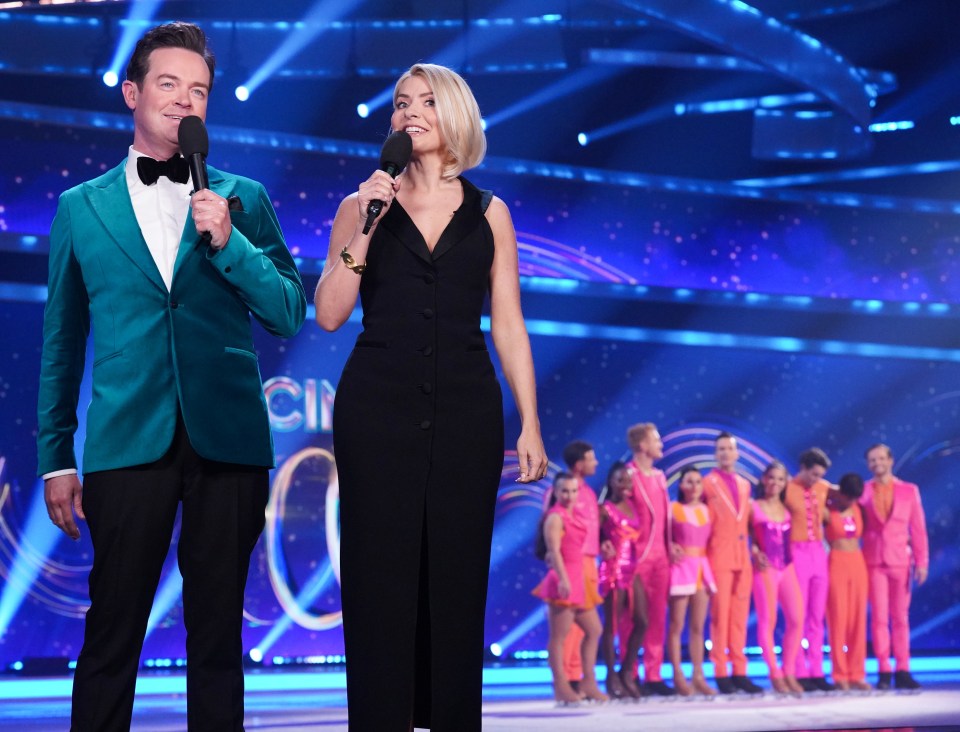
(879, 445)
(724, 436)
(177, 34)
(575, 451)
(814, 456)
(689, 469)
(851, 485)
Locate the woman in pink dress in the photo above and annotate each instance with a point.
(620, 525)
(691, 580)
(564, 590)
(775, 582)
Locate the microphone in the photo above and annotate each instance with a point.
(194, 146)
(394, 157)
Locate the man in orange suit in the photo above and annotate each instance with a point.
(896, 549)
(728, 498)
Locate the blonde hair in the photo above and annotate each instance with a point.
(458, 116)
(638, 433)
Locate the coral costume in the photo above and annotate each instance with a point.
(690, 529)
(847, 599)
(728, 497)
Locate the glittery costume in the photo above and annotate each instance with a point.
(623, 531)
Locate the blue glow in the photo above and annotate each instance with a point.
(167, 596)
(363, 110)
(583, 139)
(496, 650)
(891, 126)
(110, 78)
(523, 627)
(39, 537)
(138, 21)
(318, 19)
(242, 93)
(314, 585)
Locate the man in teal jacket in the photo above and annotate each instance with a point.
(168, 281)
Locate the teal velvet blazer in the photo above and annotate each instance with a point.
(155, 351)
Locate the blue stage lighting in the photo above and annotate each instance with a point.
(496, 650)
(110, 78)
(242, 93)
(256, 656)
(138, 21)
(891, 126)
(363, 110)
(38, 539)
(318, 19)
(583, 139)
(166, 597)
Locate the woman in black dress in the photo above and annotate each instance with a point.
(418, 418)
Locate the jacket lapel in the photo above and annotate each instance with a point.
(110, 200)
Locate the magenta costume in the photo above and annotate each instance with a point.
(776, 587)
(690, 528)
(623, 532)
(571, 550)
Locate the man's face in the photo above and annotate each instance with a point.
(652, 445)
(811, 475)
(177, 85)
(726, 453)
(588, 463)
(879, 461)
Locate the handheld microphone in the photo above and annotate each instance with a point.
(194, 146)
(394, 157)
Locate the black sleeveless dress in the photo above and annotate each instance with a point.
(418, 436)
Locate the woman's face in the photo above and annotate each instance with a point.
(566, 492)
(691, 487)
(415, 113)
(774, 481)
(621, 485)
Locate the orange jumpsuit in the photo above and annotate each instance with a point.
(847, 599)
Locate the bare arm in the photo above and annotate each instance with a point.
(336, 293)
(553, 534)
(512, 342)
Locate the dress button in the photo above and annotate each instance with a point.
(428, 351)
(426, 387)
(428, 313)
(227, 269)
(429, 279)
(174, 304)
(425, 424)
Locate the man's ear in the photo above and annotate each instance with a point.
(130, 94)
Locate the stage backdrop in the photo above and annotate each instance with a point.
(789, 324)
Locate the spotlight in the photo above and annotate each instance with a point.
(256, 655)
(110, 78)
(483, 124)
(496, 650)
(242, 93)
(583, 139)
(363, 110)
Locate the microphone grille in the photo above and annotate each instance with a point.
(397, 150)
(192, 136)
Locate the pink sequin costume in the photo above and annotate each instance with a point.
(623, 531)
(571, 550)
(690, 527)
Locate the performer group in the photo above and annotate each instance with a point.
(815, 552)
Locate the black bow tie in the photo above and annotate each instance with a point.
(176, 169)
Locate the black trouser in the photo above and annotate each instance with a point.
(131, 514)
